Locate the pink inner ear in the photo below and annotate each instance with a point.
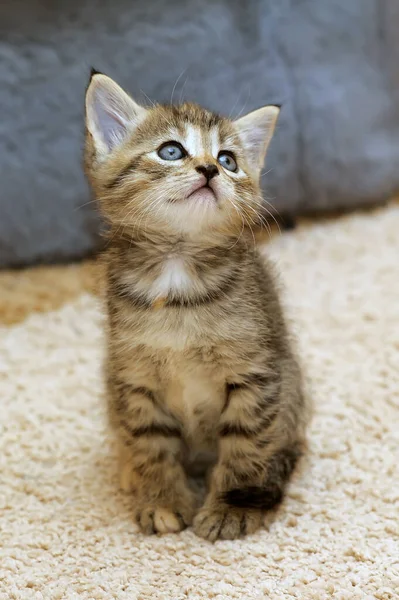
(254, 143)
(109, 124)
(256, 130)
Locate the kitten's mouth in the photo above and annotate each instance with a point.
(203, 193)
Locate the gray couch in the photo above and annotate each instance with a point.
(331, 63)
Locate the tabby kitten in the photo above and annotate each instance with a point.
(200, 370)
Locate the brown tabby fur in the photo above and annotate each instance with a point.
(203, 372)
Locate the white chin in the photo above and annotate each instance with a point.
(195, 212)
(203, 196)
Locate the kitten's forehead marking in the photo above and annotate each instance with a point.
(215, 141)
(194, 141)
(200, 142)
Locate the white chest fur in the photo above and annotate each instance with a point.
(174, 278)
(166, 328)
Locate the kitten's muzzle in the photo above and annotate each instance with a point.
(209, 171)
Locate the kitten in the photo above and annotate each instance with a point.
(200, 368)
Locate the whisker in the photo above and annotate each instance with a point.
(245, 103)
(182, 90)
(267, 172)
(176, 82)
(85, 204)
(261, 205)
(271, 214)
(259, 217)
(153, 210)
(147, 97)
(235, 104)
(243, 224)
(247, 221)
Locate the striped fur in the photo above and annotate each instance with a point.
(200, 365)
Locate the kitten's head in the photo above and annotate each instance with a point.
(173, 169)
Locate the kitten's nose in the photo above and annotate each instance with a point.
(209, 171)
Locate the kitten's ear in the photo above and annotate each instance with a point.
(110, 113)
(255, 131)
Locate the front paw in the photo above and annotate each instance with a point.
(157, 519)
(166, 517)
(220, 521)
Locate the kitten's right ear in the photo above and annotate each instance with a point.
(110, 113)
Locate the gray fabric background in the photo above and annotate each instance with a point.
(331, 63)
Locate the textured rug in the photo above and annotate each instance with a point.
(66, 530)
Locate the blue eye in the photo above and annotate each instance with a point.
(171, 151)
(227, 160)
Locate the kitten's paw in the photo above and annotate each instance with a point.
(224, 522)
(163, 519)
(154, 519)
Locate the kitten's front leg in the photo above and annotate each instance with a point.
(150, 447)
(258, 450)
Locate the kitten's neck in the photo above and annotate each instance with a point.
(174, 271)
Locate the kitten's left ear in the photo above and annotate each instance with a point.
(255, 131)
(110, 113)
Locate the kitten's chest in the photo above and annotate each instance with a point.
(196, 396)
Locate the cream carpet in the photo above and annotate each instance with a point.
(66, 530)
